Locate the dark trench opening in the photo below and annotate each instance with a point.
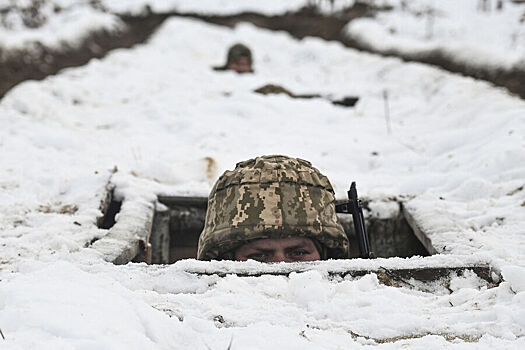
(110, 207)
(177, 226)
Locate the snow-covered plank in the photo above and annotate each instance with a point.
(393, 271)
(418, 232)
(130, 235)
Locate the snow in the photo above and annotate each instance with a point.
(514, 275)
(172, 125)
(215, 7)
(104, 306)
(64, 23)
(384, 209)
(457, 29)
(74, 22)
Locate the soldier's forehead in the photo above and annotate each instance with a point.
(278, 242)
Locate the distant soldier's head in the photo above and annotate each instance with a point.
(272, 208)
(239, 59)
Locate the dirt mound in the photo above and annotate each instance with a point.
(309, 22)
(38, 62)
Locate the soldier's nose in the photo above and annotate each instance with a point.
(280, 257)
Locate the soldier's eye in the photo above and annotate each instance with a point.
(300, 252)
(258, 256)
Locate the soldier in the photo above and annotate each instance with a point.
(269, 209)
(239, 59)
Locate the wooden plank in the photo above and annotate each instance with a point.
(396, 277)
(129, 237)
(174, 201)
(418, 232)
(160, 237)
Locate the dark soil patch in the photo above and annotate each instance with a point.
(305, 22)
(39, 61)
(512, 79)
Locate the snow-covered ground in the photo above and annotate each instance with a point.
(461, 30)
(55, 23)
(171, 125)
(216, 7)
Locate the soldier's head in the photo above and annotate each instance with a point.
(239, 59)
(272, 208)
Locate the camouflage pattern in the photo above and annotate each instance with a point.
(271, 197)
(237, 51)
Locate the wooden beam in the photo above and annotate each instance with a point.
(396, 277)
(173, 201)
(418, 232)
(129, 237)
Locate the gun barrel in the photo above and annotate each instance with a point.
(359, 223)
(352, 193)
(362, 237)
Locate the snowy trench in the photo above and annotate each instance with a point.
(171, 126)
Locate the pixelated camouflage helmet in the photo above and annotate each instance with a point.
(271, 197)
(237, 51)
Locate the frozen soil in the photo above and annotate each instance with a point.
(309, 22)
(40, 61)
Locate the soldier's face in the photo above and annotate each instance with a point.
(279, 249)
(241, 65)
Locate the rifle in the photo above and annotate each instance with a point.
(272, 89)
(354, 207)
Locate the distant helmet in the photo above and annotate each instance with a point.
(271, 197)
(237, 51)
